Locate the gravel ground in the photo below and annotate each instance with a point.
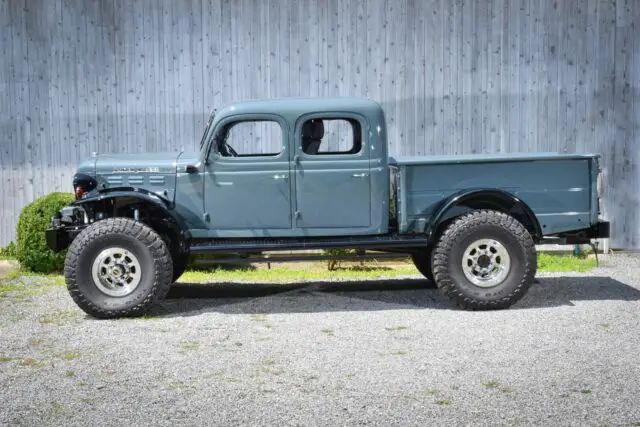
(379, 352)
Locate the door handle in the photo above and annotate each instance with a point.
(360, 175)
(283, 176)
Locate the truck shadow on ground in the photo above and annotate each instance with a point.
(373, 295)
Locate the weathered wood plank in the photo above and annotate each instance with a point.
(7, 125)
(453, 76)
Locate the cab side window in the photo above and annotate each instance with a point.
(251, 139)
(331, 136)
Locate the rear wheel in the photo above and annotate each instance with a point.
(118, 267)
(485, 260)
(422, 261)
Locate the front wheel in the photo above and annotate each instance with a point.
(118, 267)
(485, 260)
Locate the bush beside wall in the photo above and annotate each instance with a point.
(31, 248)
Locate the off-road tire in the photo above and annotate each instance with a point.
(422, 260)
(179, 257)
(149, 248)
(481, 224)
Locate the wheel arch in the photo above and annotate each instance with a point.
(155, 211)
(486, 198)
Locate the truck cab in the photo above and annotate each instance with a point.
(300, 174)
(285, 168)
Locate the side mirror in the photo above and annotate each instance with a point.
(191, 169)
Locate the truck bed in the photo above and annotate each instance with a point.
(559, 188)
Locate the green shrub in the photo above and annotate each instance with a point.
(35, 218)
(9, 251)
(332, 263)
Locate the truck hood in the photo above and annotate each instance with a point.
(156, 163)
(152, 172)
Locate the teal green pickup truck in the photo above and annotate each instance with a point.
(299, 174)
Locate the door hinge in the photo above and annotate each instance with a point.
(205, 217)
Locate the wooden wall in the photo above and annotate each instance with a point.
(454, 76)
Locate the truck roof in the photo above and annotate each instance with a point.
(299, 106)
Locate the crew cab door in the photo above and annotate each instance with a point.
(247, 180)
(332, 176)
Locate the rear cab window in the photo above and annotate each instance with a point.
(321, 136)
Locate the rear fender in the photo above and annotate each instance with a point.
(484, 198)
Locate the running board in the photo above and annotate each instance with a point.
(292, 244)
(271, 257)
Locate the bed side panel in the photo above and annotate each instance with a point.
(558, 191)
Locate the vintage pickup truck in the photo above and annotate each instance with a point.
(300, 174)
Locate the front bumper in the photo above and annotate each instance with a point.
(65, 226)
(57, 239)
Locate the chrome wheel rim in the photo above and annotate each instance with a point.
(116, 272)
(486, 263)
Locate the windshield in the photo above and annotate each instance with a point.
(206, 128)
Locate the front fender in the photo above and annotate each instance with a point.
(483, 198)
(139, 194)
(70, 221)
(136, 193)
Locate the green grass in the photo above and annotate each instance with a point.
(54, 278)
(34, 363)
(259, 317)
(328, 331)
(59, 318)
(11, 286)
(176, 385)
(552, 263)
(547, 263)
(70, 355)
(285, 274)
(188, 346)
(60, 410)
(492, 384)
(269, 368)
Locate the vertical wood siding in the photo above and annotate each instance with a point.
(454, 77)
